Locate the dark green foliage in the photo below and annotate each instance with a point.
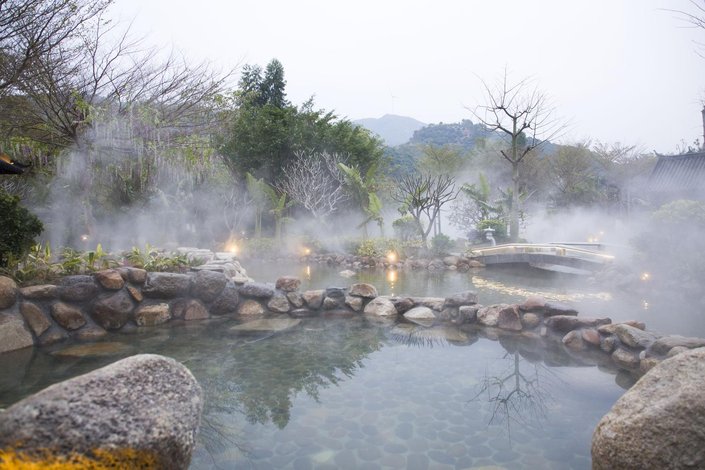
(18, 228)
(405, 227)
(265, 131)
(441, 244)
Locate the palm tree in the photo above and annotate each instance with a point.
(362, 190)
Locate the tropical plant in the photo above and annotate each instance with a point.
(362, 189)
(18, 228)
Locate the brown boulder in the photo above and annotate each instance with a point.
(35, 318)
(110, 279)
(8, 292)
(68, 317)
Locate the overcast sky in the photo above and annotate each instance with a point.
(618, 71)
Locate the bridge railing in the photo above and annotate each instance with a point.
(547, 249)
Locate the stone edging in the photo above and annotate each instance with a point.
(85, 307)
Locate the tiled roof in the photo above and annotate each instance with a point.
(678, 172)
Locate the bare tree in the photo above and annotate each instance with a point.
(422, 196)
(316, 182)
(524, 116)
(30, 29)
(75, 85)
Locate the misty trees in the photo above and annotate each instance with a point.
(264, 131)
(422, 197)
(362, 188)
(315, 182)
(523, 115)
(31, 29)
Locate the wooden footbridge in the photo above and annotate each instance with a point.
(576, 256)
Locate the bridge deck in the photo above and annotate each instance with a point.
(543, 254)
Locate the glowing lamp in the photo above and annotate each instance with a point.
(645, 276)
(84, 237)
(392, 257)
(231, 248)
(307, 251)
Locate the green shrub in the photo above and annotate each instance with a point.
(153, 259)
(18, 228)
(376, 247)
(405, 228)
(441, 244)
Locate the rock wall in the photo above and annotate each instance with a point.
(86, 307)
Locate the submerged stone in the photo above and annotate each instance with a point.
(267, 324)
(93, 349)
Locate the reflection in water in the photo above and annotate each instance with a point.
(482, 283)
(517, 395)
(348, 392)
(262, 381)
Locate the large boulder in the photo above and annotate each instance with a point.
(67, 316)
(166, 285)
(110, 279)
(35, 318)
(659, 422)
(8, 292)
(207, 285)
(78, 288)
(288, 283)
(257, 290)
(112, 311)
(13, 333)
(227, 301)
(140, 412)
(362, 289)
(380, 306)
(461, 298)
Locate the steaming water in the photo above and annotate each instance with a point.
(350, 393)
(346, 393)
(668, 312)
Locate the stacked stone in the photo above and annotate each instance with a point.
(86, 307)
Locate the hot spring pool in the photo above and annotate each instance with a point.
(355, 393)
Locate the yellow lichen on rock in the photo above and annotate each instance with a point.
(99, 459)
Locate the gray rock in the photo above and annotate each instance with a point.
(420, 313)
(68, 317)
(461, 298)
(658, 422)
(53, 335)
(288, 283)
(110, 279)
(634, 337)
(489, 315)
(136, 275)
(558, 308)
(355, 303)
(145, 406)
(278, 303)
(189, 309)
(250, 307)
(78, 288)
(314, 298)
(380, 306)
(35, 318)
(151, 315)
(533, 304)
(451, 260)
(331, 303)
(166, 285)
(112, 311)
(591, 336)
(608, 343)
(508, 318)
(466, 314)
(625, 359)
(530, 320)
(207, 285)
(296, 299)
(257, 290)
(565, 323)
(227, 301)
(664, 344)
(402, 304)
(13, 333)
(361, 289)
(573, 340)
(43, 292)
(8, 292)
(434, 303)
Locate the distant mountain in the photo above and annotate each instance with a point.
(395, 130)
